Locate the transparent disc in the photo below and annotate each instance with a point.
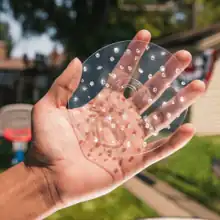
(126, 97)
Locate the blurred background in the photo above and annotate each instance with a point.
(39, 37)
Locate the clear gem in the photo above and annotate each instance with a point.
(138, 51)
(121, 67)
(112, 59)
(163, 75)
(99, 67)
(168, 115)
(91, 83)
(154, 89)
(116, 49)
(84, 88)
(162, 68)
(145, 144)
(96, 139)
(128, 144)
(75, 99)
(128, 51)
(85, 68)
(181, 99)
(103, 81)
(183, 83)
(150, 76)
(140, 71)
(129, 68)
(178, 71)
(97, 55)
(152, 57)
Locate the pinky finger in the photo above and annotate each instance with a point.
(174, 143)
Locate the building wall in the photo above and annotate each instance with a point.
(205, 113)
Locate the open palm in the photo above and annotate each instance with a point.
(87, 152)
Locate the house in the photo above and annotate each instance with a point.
(204, 44)
(21, 77)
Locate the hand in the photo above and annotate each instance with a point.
(68, 148)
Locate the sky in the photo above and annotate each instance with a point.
(38, 44)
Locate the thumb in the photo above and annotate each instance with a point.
(64, 86)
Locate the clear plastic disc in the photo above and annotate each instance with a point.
(127, 95)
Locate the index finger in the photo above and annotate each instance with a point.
(127, 64)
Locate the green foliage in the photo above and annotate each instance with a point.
(190, 171)
(83, 28)
(5, 36)
(117, 205)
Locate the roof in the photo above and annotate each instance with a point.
(146, 5)
(188, 37)
(12, 64)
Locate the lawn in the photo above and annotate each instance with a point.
(118, 205)
(189, 170)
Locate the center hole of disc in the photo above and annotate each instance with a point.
(129, 90)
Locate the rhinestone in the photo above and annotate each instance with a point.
(129, 68)
(99, 67)
(85, 69)
(121, 67)
(75, 99)
(113, 75)
(140, 71)
(145, 144)
(113, 125)
(82, 80)
(84, 88)
(112, 59)
(164, 103)
(128, 51)
(109, 117)
(138, 51)
(183, 83)
(103, 81)
(152, 57)
(150, 76)
(154, 89)
(163, 53)
(96, 139)
(124, 116)
(163, 75)
(91, 83)
(97, 55)
(181, 99)
(116, 49)
(150, 100)
(178, 71)
(147, 47)
(128, 144)
(162, 68)
(168, 115)
(147, 125)
(155, 117)
(107, 85)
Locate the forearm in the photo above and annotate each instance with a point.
(25, 194)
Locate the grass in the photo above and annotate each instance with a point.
(190, 171)
(117, 205)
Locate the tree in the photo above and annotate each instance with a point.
(5, 36)
(83, 26)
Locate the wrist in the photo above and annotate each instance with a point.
(27, 191)
(45, 187)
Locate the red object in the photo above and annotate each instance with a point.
(22, 135)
